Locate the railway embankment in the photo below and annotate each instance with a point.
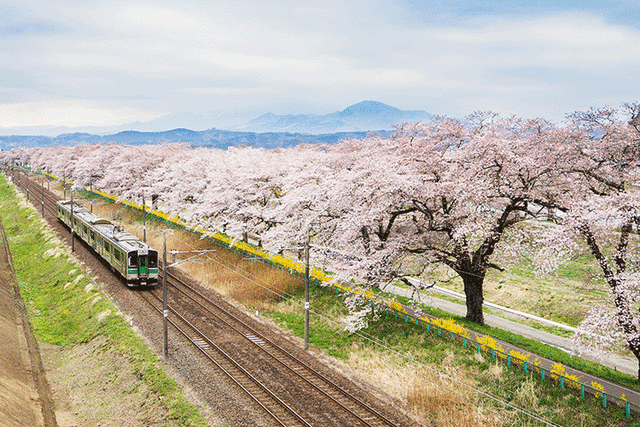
(88, 367)
(25, 399)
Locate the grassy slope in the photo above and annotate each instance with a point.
(66, 309)
(526, 391)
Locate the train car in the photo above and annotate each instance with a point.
(134, 261)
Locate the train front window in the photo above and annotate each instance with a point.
(133, 259)
(153, 259)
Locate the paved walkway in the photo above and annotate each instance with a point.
(622, 364)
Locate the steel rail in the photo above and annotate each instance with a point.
(358, 404)
(234, 364)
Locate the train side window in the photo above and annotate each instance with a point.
(106, 246)
(93, 235)
(85, 228)
(118, 255)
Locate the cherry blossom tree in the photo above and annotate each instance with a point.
(442, 193)
(602, 159)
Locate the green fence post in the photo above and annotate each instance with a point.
(439, 331)
(582, 391)
(417, 323)
(396, 313)
(428, 327)
(451, 336)
(406, 318)
(508, 362)
(493, 354)
(525, 367)
(464, 342)
(604, 400)
(542, 372)
(561, 383)
(478, 347)
(628, 411)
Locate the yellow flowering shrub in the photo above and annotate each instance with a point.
(487, 342)
(598, 388)
(450, 325)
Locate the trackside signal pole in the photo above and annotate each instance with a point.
(306, 293)
(72, 231)
(42, 199)
(165, 308)
(306, 248)
(144, 220)
(165, 313)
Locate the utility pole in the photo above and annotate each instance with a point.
(165, 308)
(306, 247)
(144, 220)
(72, 230)
(306, 293)
(64, 185)
(42, 200)
(165, 313)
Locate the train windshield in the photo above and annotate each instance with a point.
(153, 259)
(133, 259)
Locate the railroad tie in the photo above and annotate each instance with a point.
(201, 343)
(255, 340)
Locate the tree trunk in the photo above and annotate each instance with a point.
(474, 295)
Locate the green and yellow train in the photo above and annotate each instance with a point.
(135, 261)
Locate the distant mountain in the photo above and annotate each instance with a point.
(213, 138)
(361, 117)
(268, 130)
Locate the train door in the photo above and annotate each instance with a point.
(143, 264)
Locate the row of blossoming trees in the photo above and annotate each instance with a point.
(444, 198)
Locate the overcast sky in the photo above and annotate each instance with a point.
(82, 62)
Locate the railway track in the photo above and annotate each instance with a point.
(301, 397)
(326, 392)
(282, 413)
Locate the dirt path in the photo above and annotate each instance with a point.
(24, 398)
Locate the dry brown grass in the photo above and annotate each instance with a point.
(430, 396)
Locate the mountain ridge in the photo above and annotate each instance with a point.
(268, 130)
(363, 116)
(212, 138)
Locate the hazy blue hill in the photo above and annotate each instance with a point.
(361, 117)
(213, 138)
(268, 130)
(135, 137)
(370, 109)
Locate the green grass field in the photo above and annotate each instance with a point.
(66, 309)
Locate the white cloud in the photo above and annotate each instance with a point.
(149, 54)
(65, 112)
